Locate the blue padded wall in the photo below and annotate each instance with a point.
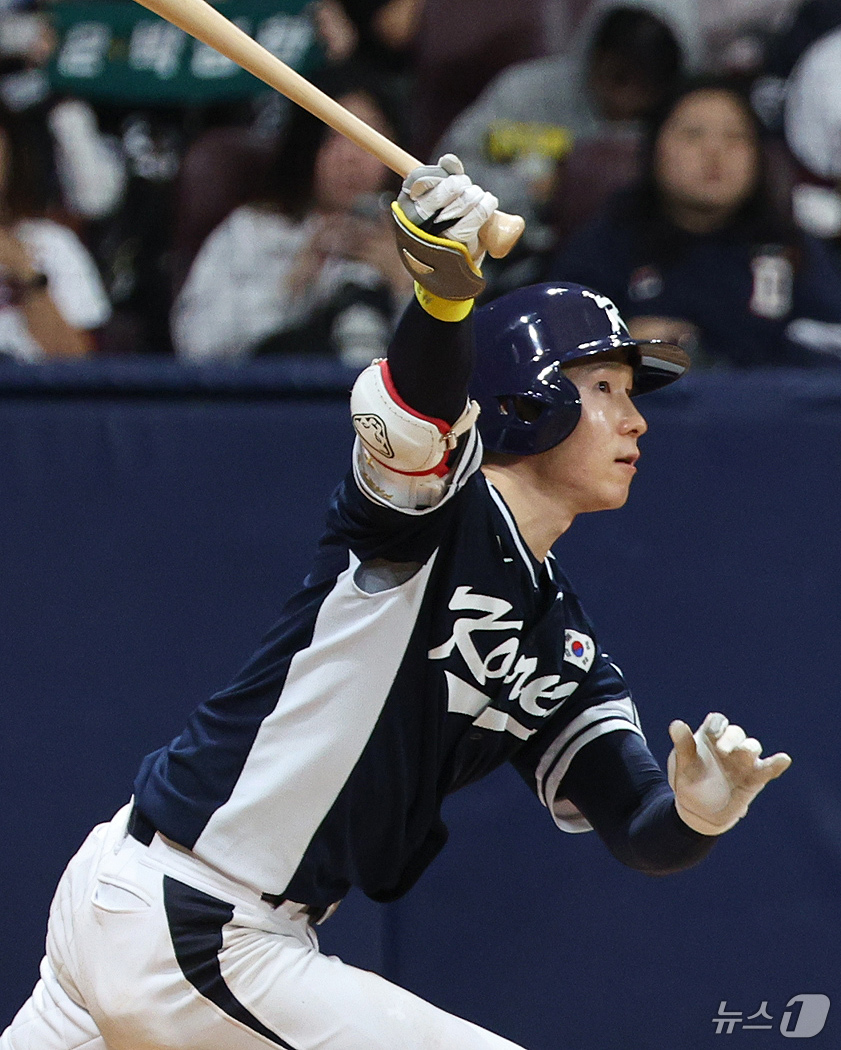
(152, 521)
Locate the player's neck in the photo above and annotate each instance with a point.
(541, 517)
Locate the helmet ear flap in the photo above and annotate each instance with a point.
(526, 424)
(565, 412)
(526, 409)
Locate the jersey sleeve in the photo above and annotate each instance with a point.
(617, 783)
(601, 704)
(375, 530)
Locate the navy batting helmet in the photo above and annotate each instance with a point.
(523, 340)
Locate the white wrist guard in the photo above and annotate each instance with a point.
(396, 436)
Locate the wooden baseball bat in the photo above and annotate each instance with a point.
(202, 21)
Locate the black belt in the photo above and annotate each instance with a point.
(144, 831)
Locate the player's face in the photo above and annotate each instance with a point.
(706, 159)
(593, 468)
(343, 170)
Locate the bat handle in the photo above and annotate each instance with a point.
(500, 233)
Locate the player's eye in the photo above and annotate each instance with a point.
(603, 385)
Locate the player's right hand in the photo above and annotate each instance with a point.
(442, 200)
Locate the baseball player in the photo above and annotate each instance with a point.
(434, 639)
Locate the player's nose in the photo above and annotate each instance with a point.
(633, 421)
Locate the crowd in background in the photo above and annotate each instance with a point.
(681, 156)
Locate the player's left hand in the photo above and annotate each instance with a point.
(717, 772)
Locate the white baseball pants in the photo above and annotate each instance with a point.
(149, 949)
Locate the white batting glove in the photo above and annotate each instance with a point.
(444, 193)
(717, 772)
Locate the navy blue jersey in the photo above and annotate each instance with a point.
(426, 647)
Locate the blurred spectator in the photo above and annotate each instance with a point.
(131, 212)
(222, 169)
(225, 167)
(131, 240)
(51, 295)
(812, 122)
(378, 33)
(459, 48)
(149, 92)
(89, 171)
(310, 267)
(699, 250)
(625, 59)
(99, 179)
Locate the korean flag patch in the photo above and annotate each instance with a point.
(579, 649)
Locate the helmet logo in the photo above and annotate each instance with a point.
(617, 325)
(372, 430)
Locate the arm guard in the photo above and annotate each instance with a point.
(397, 437)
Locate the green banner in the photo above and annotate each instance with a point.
(117, 50)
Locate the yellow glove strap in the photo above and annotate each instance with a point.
(443, 309)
